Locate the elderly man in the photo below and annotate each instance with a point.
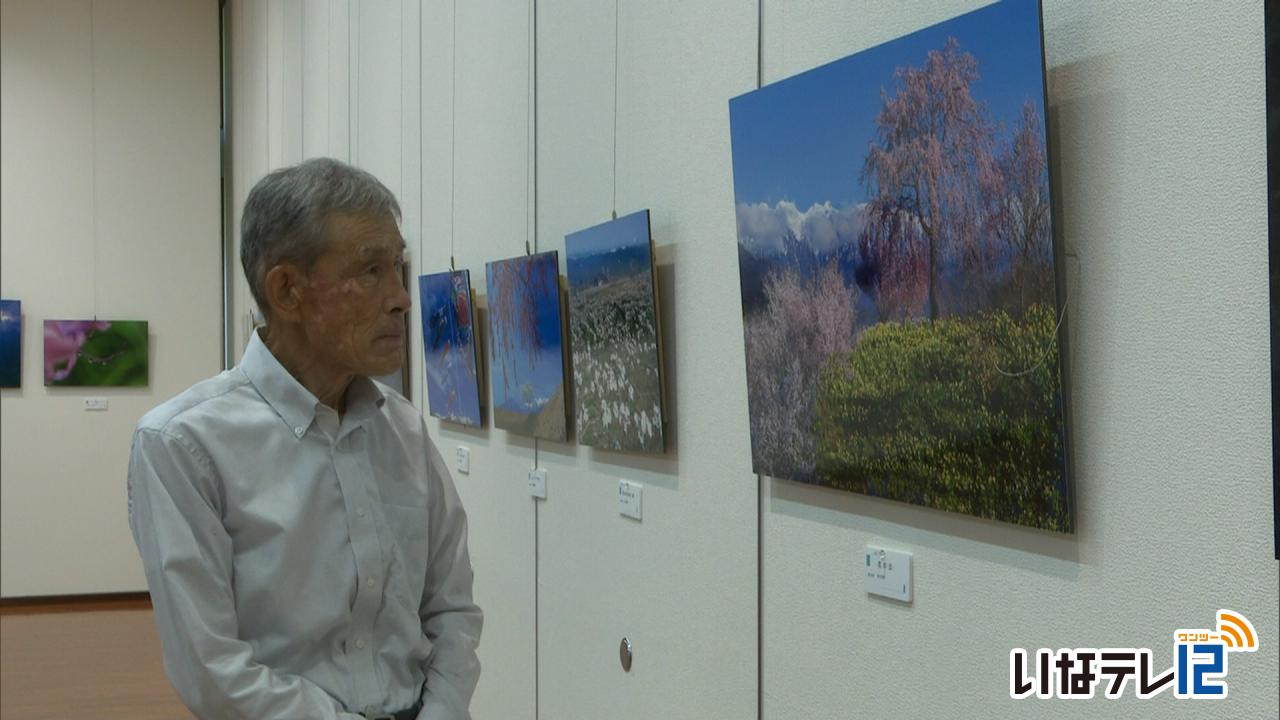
(303, 542)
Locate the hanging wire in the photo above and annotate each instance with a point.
(453, 131)
(93, 157)
(530, 118)
(616, 12)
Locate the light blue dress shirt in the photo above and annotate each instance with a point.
(302, 566)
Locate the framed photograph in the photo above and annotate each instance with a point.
(10, 343)
(614, 334)
(898, 273)
(449, 347)
(526, 345)
(96, 353)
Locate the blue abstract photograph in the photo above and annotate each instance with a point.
(526, 346)
(613, 330)
(449, 347)
(10, 343)
(897, 270)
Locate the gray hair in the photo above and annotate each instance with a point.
(286, 215)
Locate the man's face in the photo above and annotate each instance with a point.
(353, 303)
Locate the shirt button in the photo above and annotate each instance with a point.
(298, 431)
(360, 643)
(369, 582)
(359, 511)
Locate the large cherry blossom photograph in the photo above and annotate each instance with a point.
(897, 270)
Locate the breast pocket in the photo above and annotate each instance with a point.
(409, 550)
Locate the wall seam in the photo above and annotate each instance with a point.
(761, 483)
(353, 82)
(422, 214)
(531, 218)
(225, 64)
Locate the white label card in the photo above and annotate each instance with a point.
(538, 483)
(887, 573)
(629, 498)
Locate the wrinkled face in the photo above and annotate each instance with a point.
(354, 301)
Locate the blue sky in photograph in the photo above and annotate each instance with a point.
(627, 230)
(547, 373)
(804, 138)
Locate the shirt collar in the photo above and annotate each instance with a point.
(364, 399)
(294, 403)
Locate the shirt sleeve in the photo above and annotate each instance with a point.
(450, 618)
(186, 552)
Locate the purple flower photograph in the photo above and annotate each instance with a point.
(101, 353)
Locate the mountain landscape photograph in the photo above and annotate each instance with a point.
(613, 329)
(897, 270)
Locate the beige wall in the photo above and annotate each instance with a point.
(109, 174)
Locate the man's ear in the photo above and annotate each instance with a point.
(282, 287)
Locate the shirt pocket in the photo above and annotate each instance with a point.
(409, 549)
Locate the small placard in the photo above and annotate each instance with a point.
(629, 498)
(95, 404)
(538, 483)
(888, 573)
(463, 462)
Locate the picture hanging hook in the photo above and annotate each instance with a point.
(452, 266)
(526, 248)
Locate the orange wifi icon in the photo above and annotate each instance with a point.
(1236, 631)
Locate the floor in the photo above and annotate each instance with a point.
(83, 661)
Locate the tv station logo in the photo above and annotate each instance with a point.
(1199, 671)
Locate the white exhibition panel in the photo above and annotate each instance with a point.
(1157, 142)
(681, 583)
(349, 80)
(476, 192)
(110, 175)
